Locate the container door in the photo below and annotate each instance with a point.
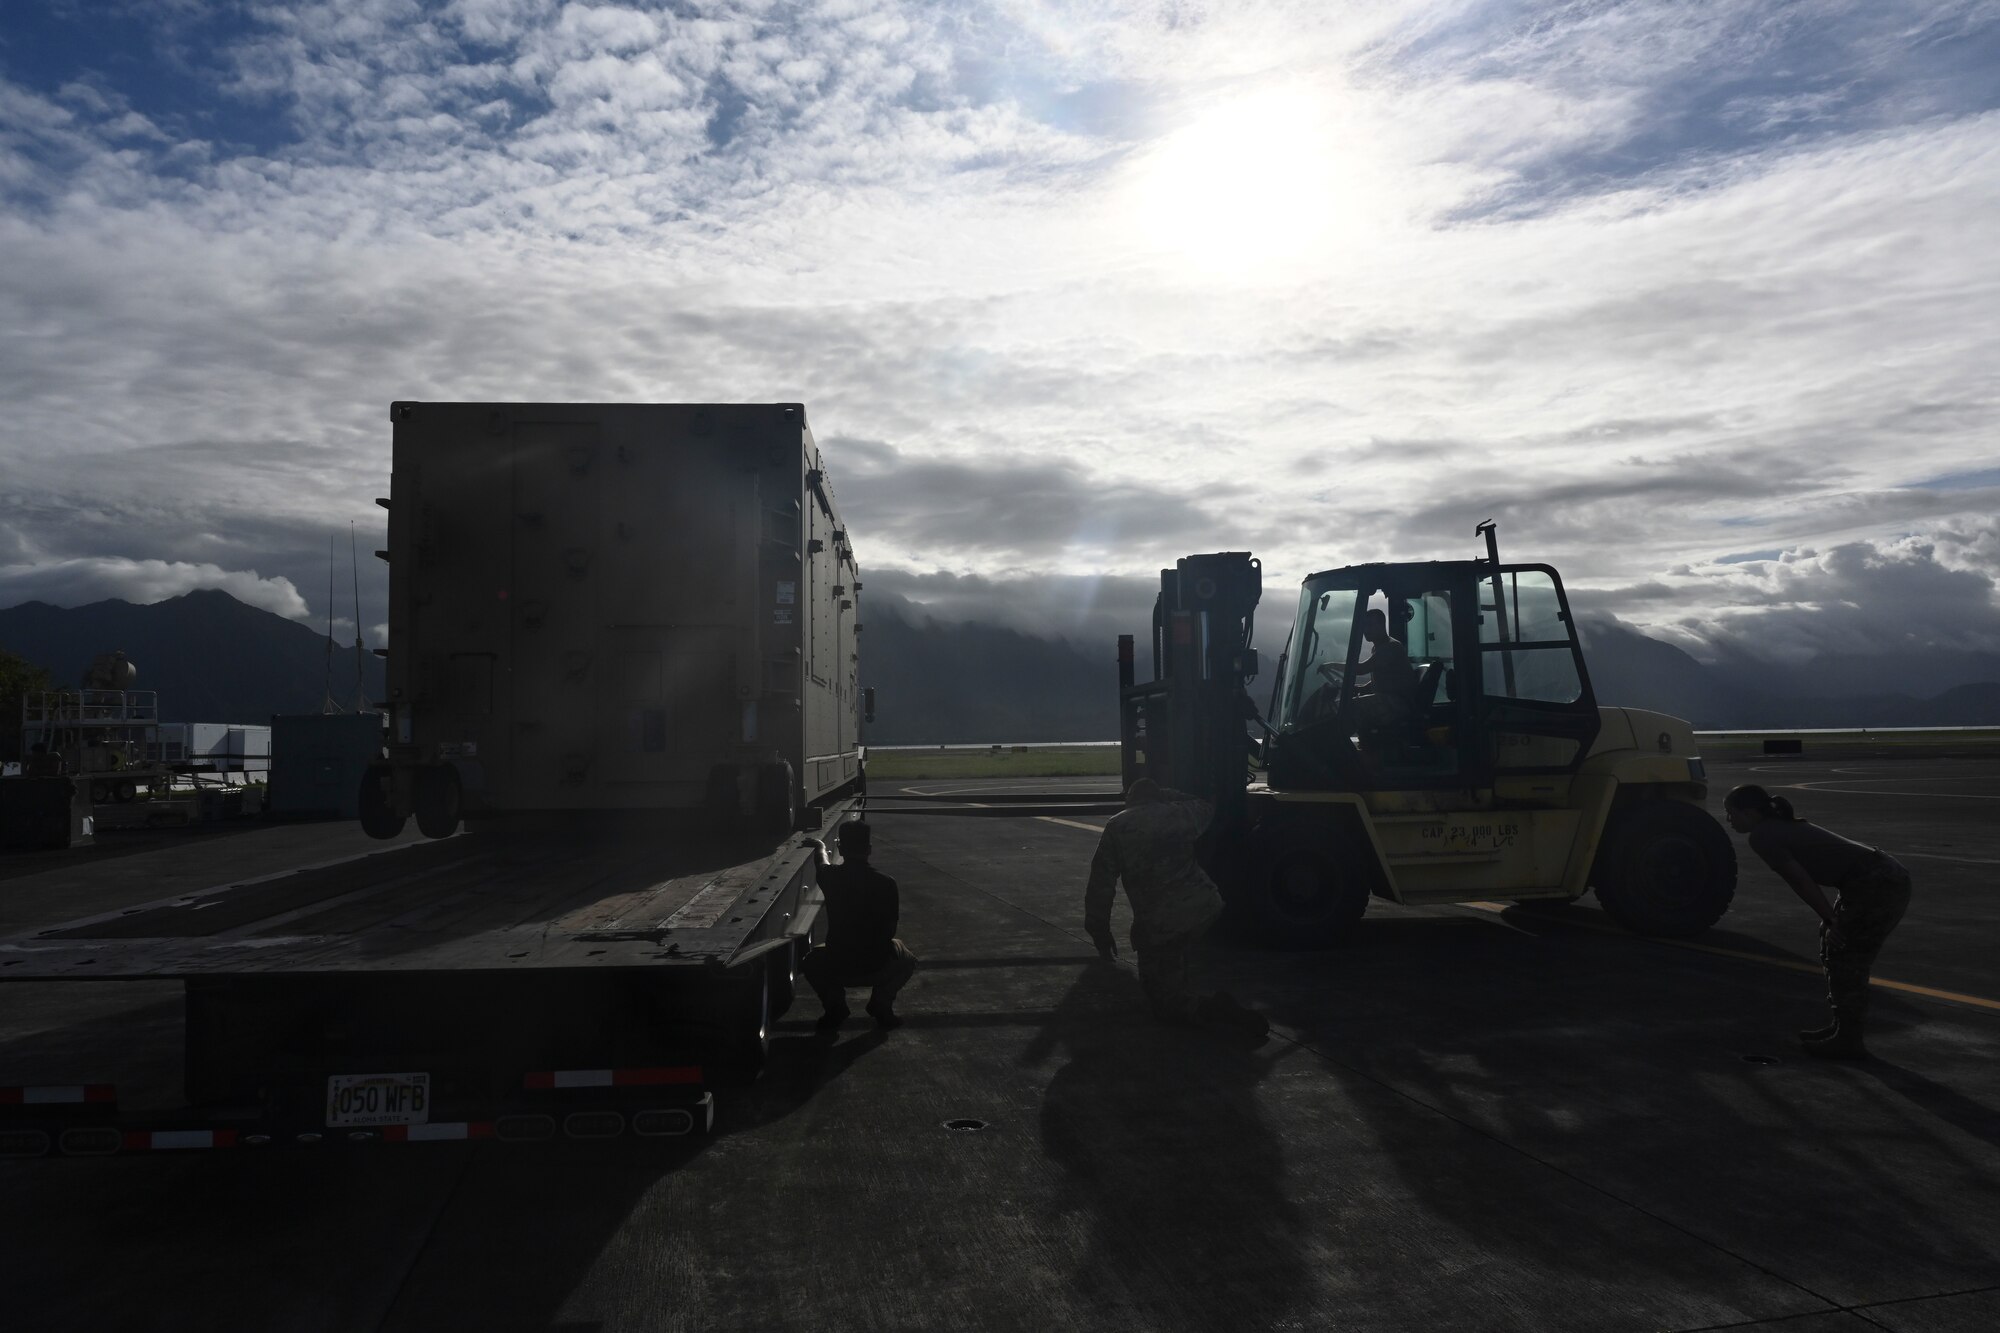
(556, 531)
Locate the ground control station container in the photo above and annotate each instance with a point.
(608, 607)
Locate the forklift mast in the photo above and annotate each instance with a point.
(1184, 728)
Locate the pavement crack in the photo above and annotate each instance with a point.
(430, 1235)
(1859, 1310)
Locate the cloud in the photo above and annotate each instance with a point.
(1630, 279)
(1914, 598)
(79, 581)
(1089, 612)
(1013, 511)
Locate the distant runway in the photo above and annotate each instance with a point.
(971, 789)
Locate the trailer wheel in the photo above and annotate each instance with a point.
(437, 801)
(100, 793)
(379, 816)
(1306, 888)
(126, 791)
(1666, 868)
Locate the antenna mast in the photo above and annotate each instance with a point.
(360, 677)
(327, 705)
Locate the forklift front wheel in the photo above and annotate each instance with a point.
(1304, 894)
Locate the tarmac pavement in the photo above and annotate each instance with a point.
(1468, 1118)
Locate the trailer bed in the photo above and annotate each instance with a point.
(473, 902)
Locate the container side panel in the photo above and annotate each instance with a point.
(614, 606)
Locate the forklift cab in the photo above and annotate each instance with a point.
(1446, 674)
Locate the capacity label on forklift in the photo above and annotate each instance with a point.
(1457, 838)
(377, 1099)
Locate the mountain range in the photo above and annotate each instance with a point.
(214, 659)
(209, 657)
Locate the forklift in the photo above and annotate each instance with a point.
(1483, 769)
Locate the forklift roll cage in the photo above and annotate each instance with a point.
(1493, 676)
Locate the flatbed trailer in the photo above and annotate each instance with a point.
(582, 981)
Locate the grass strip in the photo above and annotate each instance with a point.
(1041, 762)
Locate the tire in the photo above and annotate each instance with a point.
(125, 791)
(437, 801)
(1306, 888)
(100, 793)
(379, 817)
(1665, 868)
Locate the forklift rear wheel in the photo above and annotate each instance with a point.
(379, 816)
(1666, 868)
(437, 801)
(1304, 894)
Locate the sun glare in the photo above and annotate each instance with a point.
(1248, 186)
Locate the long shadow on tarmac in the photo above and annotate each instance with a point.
(1620, 1067)
(1934, 1098)
(1169, 1162)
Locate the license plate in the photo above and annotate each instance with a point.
(377, 1099)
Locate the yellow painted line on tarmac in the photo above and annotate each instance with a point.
(1961, 860)
(1071, 823)
(1910, 988)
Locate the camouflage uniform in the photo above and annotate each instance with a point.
(1871, 901)
(1151, 847)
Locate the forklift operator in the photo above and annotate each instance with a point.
(1389, 694)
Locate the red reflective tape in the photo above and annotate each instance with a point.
(100, 1092)
(395, 1133)
(539, 1081)
(629, 1078)
(479, 1129)
(1183, 627)
(137, 1140)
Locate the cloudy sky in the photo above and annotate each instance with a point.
(1701, 301)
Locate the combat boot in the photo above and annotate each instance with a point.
(1819, 1034)
(1844, 1043)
